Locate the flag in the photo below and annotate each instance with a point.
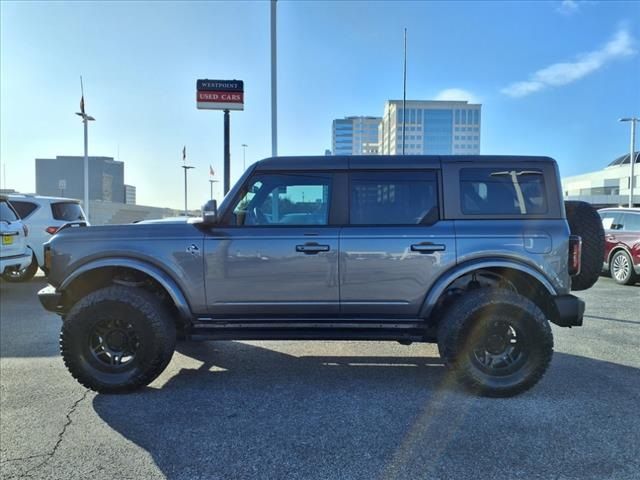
(211, 172)
(184, 153)
(82, 104)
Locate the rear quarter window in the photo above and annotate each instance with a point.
(23, 208)
(631, 222)
(500, 191)
(67, 211)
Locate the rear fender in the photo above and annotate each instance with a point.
(458, 271)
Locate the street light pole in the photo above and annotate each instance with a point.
(274, 83)
(186, 167)
(632, 148)
(244, 159)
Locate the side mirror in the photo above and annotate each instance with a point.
(210, 212)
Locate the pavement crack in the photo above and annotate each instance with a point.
(49, 455)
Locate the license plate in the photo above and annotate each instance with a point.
(7, 239)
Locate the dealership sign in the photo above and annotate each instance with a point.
(220, 94)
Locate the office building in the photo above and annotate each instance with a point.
(432, 127)
(354, 135)
(129, 194)
(608, 187)
(64, 176)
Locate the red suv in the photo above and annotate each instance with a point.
(622, 243)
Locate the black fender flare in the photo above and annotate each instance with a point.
(160, 276)
(438, 288)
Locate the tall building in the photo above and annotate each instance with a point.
(64, 176)
(355, 135)
(432, 127)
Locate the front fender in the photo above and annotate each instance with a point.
(448, 277)
(160, 276)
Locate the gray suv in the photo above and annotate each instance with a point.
(472, 253)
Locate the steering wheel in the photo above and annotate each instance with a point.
(255, 216)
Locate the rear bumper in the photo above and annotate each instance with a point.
(51, 299)
(15, 262)
(570, 311)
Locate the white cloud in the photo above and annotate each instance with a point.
(457, 94)
(568, 7)
(563, 73)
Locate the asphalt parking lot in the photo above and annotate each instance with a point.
(322, 410)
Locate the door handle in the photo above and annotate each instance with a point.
(311, 248)
(427, 247)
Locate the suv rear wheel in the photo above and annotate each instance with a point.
(496, 342)
(117, 339)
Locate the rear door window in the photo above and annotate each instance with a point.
(23, 208)
(67, 211)
(611, 220)
(394, 198)
(499, 191)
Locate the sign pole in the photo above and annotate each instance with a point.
(222, 95)
(227, 154)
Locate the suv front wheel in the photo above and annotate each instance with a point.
(496, 342)
(117, 339)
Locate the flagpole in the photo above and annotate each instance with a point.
(85, 120)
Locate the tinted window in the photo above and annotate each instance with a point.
(67, 211)
(7, 213)
(273, 199)
(393, 198)
(497, 191)
(24, 209)
(631, 222)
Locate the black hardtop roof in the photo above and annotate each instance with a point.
(383, 162)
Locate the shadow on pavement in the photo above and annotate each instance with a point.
(251, 412)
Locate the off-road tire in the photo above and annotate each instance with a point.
(142, 313)
(464, 328)
(621, 259)
(23, 275)
(584, 221)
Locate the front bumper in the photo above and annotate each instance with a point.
(570, 311)
(51, 299)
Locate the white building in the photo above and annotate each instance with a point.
(607, 187)
(354, 135)
(432, 127)
(129, 194)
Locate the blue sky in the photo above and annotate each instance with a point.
(553, 78)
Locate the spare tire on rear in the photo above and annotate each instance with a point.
(584, 221)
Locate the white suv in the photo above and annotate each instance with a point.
(44, 216)
(15, 255)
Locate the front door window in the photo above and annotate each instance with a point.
(292, 200)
